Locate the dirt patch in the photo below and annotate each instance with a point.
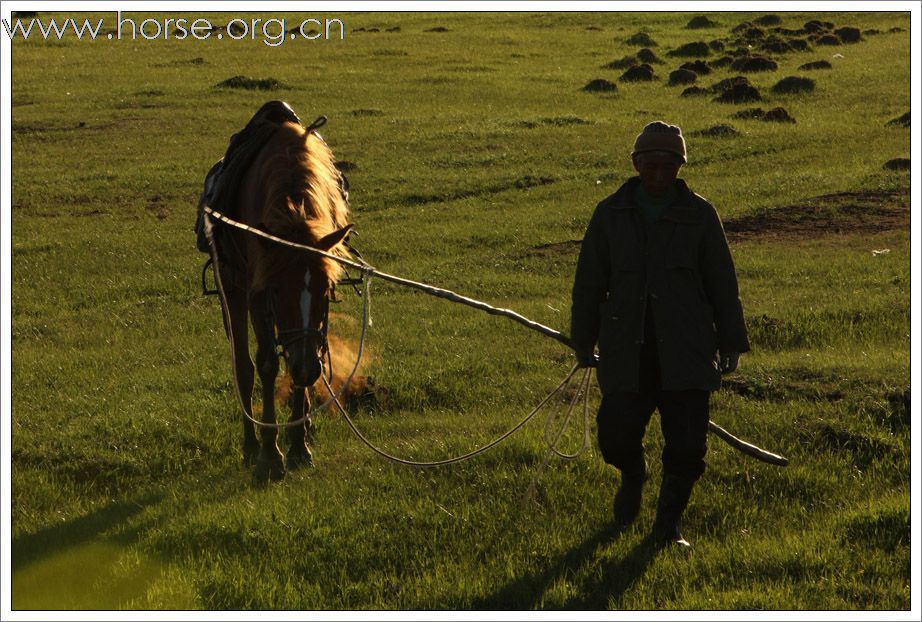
(646, 55)
(717, 45)
(701, 21)
(778, 115)
(251, 84)
(902, 121)
(718, 131)
(768, 20)
(682, 76)
(554, 249)
(737, 90)
(622, 63)
(638, 73)
(898, 164)
(694, 91)
(695, 49)
(817, 64)
(752, 64)
(600, 85)
(642, 39)
(366, 112)
(845, 212)
(794, 85)
(699, 67)
(848, 34)
(828, 39)
(437, 29)
(816, 26)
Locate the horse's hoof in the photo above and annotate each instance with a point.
(299, 457)
(269, 468)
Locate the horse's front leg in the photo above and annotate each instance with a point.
(299, 453)
(270, 463)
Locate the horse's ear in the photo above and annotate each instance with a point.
(329, 241)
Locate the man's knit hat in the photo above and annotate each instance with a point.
(659, 136)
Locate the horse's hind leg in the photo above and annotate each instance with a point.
(244, 370)
(270, 463)
(299, 452)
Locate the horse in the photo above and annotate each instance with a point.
(291, 189)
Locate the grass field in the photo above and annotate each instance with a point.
(477, 159)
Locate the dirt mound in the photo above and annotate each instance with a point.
(622, 63)
(251, 84)
(717, 45)
(794, 84)
(752, 64)
(694, 91)
(646, 55)
(682, 76)
(799, 45)
(717, 131)
(902, 121)
(749, 113)
(694, 49)
(737, 90)
(816, 26)
(778, 115)
(701, 21)
(848, 34)
(600, 85)
(776, 46)
(699, 67)
(768, 20)
(817, 64)
(437, 29)
(828, 40)
(642, 39)
(846, 212)
(898, 164)
(720, 63)
(638, 73)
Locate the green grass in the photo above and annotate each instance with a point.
(474, 147)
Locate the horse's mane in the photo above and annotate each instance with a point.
(304, 199)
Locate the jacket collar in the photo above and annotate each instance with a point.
(684, 209)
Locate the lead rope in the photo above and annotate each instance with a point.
(471, 454)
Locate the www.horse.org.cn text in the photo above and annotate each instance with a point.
(271, 31)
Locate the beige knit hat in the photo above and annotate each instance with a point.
(659, 136)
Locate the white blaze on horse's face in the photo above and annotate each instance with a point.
(306, 301)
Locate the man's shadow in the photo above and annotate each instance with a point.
(610, 585)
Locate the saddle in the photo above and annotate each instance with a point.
(223, 179)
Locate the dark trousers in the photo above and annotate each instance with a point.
(623, 418)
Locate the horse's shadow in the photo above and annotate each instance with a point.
(610, 585)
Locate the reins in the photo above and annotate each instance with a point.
(367, 272)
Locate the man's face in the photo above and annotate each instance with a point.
(658, 171)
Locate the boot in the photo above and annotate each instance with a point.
(627, 499)
(673, 498)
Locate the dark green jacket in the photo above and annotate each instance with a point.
(681, 267)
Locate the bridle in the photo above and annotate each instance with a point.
(285, 340)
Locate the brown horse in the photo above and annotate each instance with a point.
(292, 190)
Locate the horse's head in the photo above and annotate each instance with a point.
(300, 301)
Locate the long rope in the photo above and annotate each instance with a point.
(368, 270)
(461, 458)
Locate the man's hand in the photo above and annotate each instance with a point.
(729, 362)
(584, 359)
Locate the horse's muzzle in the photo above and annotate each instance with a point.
(306, 373)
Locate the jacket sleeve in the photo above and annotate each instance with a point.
(590, 286)
(720, 285)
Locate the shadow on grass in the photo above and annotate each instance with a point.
(35, 547)
(611, 584)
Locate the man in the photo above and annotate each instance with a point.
(655, 287)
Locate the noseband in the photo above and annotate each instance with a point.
(284, 339)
